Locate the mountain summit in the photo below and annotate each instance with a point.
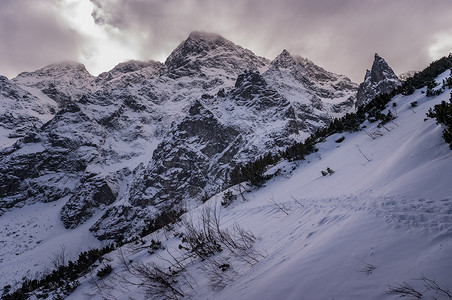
(201, 51)
(380, 79)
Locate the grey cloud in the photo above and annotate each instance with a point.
(32, 35)
(340, 35)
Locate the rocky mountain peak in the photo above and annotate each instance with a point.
(147, 135)
(381, 70)
(208, 37)
(133, 65)
(60, 69)
(63, 82)
(208, 50)
(379, 79)
(132, 71)
(283, 60)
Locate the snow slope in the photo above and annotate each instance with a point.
(384, 217)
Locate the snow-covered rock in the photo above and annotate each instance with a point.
(63, 82)
(21, 113)
(143, 137)
(378, 80)
(128, 73)
(311, 88)
(203, 54)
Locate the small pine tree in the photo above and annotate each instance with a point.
(443, 114)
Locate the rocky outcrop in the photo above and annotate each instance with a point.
(94, 192)
(189, 163)
(378, 80)
(21, 113)
(45, 167)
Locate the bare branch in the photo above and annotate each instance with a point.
(60, 257)
(404, 290)
(366, 267)
(279, 205)
(431, 284)
(364, 155)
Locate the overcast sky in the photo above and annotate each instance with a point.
(339, 35)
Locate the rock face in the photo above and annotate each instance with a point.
(380, 79)
(21, 113)
(146, 136)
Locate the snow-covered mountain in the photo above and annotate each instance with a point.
(127, 140)
(315, 94)
(108, 155)
(205, 54)
(378, 80)
(377, 226)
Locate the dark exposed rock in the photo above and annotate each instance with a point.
(191, 159)
(251, 90)
(94, 192)
(380, 79)
(46, 166)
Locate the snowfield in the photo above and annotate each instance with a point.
(384, 217)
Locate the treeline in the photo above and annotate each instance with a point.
(428, 75)
(252, 172)
(63, 278)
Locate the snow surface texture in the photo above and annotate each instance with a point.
(382, 218)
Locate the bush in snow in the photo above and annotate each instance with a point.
(204, 243)
(252, 172)
(328, 171)
(104, 271)
(443, 115)
(228, 198)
